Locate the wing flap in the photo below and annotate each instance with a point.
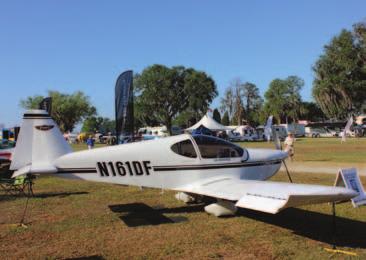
(261, 203)
(266, 196)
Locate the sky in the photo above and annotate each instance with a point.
(84, 45)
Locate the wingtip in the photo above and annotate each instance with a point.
(352, 193)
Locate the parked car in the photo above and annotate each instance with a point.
(296, 129)
(280, 130)
(356, 131)
(321, 132)
(246, 133)
(359, 130)
(233, 136)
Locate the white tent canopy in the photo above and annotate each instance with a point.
(209, 123)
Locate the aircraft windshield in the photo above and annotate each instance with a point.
(184, 148)
(211, 147)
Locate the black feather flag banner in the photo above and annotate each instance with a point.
(46, 104)
(124, 105)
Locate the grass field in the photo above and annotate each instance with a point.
(312, 149)
(70, 219)
(323, 149)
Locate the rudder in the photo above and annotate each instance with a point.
(39, 143)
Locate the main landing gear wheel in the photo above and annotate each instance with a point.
(221, 208)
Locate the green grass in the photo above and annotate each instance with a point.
(323, 149)
(83, 146)
(73, 219)
(310, 149)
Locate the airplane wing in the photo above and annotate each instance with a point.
(267, 196)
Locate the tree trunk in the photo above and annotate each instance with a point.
(168, 124)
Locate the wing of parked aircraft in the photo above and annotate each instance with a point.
(266, 196)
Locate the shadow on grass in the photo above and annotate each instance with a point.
(310, 224)
(315, 225)
(8, 197)
(140, 214)
(58, 194)
(317, 160)
(92, 257)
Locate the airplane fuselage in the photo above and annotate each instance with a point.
(158, 164)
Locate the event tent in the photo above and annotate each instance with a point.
(201, 130)
(209, 123)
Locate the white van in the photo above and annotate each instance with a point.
(297, 130)
(247, 133)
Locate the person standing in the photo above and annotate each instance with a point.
(289, 145)
(90, 142)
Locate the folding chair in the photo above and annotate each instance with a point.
(21, 185)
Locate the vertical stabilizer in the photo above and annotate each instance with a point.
(39, 143)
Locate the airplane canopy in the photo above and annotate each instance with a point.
(209, 123)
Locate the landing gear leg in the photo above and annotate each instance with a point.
(288, 173)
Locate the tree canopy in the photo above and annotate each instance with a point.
(242, 101)
(163, 93)
(225, 119)
(252, 102)
(98, 124)
(67, 109)
(283, 99)
(312, 112)
(339, 87)
(227, 102)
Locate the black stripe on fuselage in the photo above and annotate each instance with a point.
(76, 170)
(180, 167)
(36, 116)
(213, 166)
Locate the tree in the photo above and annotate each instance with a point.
(216, 115)
(200, 89)
(67, 109)
(283, 99)
(98, 124)
(185, 119)
(141, 117)
(225, 119)
(294, 106)
(31, 102)
(242, 101)
(238, 103)
(232, 102)
(252, 102)
(312, 112)
(339, 87)
(164, 93)
(227, 102)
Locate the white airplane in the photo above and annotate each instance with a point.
(197, 166)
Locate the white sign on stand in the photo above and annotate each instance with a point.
(350, 179)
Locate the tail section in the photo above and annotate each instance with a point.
(39, 143)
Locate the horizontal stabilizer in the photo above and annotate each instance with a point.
(38, 168)
(267, 196)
